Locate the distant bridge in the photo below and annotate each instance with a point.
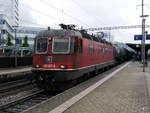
(117, 27)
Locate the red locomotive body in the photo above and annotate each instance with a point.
(62, 56)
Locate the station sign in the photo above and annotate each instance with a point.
(17, 41)
(139, 37)
(148, 37)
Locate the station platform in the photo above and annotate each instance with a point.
(13, 73)
(127, 90)
(5, 71)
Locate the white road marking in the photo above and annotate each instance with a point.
(61, 108)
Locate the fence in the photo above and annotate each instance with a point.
(10, 61)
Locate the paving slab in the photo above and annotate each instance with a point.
(126, 92)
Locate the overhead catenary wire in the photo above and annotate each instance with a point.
(42, 13)
(85, 11)
(31, 24)
(60, 10)
(117, 27)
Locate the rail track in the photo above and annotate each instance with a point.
(16, 96)
(5, 87)
(23, 102)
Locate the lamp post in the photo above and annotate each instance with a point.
(143, 36)
(15, 28)
(143, 43)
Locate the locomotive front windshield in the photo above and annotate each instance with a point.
(41, 45)
(61, 45)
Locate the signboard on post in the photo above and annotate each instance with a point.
(139, 37)
(148, 37)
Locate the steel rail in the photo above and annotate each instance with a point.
(10, 85)
(19, 100)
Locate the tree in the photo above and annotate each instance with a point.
(9, 43)
(25, 42)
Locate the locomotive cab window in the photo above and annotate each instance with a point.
(41, 45)
(75, 45)
(61, 45)
(79, 45)
(72, 45)
(91, 49)
(99, 50)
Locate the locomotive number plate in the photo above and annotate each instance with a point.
(49, 65)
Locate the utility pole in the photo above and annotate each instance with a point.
(15, 28)
(15, 50)
(143, 36)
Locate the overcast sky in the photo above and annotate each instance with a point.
(86, 13)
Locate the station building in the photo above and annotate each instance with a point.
(9, 26)
(30, 32)
(9, 17)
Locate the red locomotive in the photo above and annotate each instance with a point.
(64, 56)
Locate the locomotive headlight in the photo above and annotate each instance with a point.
(37, 66)
(50, 38)
(63, 66)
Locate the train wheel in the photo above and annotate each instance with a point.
(43, 81)
(40, 80)
(61, 86)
